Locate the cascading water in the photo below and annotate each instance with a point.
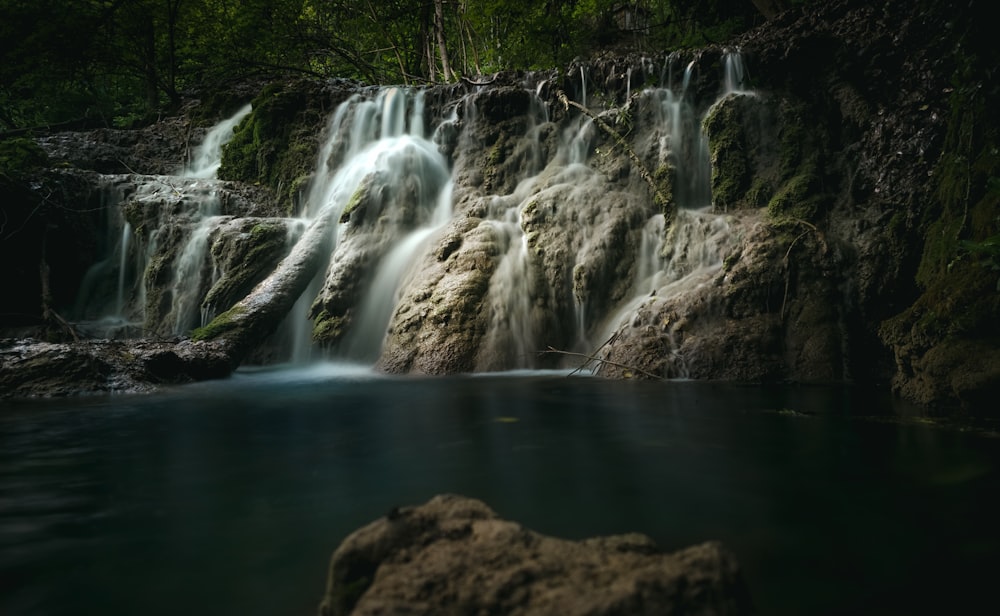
(189, 284)
(683, 143)
(207, 157)
(391, 194)
(692, 253)
(736, 78)
(112, 297)
(111, 276)
(574, 250)
(187, 293)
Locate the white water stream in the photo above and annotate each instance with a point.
(387, 182)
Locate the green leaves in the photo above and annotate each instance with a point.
(123, 60)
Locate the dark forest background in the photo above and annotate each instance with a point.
(121, 62)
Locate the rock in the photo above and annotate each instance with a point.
(454, 555)
(31, 368)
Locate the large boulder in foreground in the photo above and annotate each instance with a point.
(455, 555)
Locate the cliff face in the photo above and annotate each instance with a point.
(819, 206)
(902, 93)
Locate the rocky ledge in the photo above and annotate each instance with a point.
(455, 555)
(32, 368)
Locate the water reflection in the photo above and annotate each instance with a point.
(228, 497)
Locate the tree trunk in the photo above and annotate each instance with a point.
(173, 15)
(242, 328)
(439, 33)
(149, 64)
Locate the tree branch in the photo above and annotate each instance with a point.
(591, 358)
(660, 198)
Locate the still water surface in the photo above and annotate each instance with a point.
(229, 497)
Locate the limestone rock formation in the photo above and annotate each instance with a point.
(835, 214)
(454, 555)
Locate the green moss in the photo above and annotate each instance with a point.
(246, 262)
(496, 156)
(328, 327)
(760, 192)
(664, 179)
(297, 191)
(959, 270)
(960, 227)
(276, 143)
(493, 171)
(799, 198)
(728, 150)
(225, 322)
(19, 156)
(357, 200)
(731, 260)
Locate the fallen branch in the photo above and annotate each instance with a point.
(593, 355)
(590, 358)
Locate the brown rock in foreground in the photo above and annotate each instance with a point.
(455, 555)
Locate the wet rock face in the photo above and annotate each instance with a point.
(454, 555)
(157, 149)
(169, 216)
(31, 368)
(812, 256)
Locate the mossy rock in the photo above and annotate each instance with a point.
(359, 199)
(225, 322)
(798, 199)
(329, 328)
(277, 142)
(755, 144)
(959, 270)
(797, 180)
(245, 259)
(730, 152)
(963, 224)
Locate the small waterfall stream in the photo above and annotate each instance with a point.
(388, 159)
(111, 276)
(207, 157)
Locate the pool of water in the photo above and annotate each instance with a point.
(229, 497)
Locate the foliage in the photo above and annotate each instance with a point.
(118, 62)
(18, 156)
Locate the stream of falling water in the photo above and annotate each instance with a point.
(207, 157)
(376, 143)
(97, 315)
(384, 147)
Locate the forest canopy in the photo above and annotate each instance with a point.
(118, 62)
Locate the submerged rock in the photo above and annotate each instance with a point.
(455, 555)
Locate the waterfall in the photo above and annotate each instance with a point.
(102, 302)
(570, 249)
(207, 157)
(735, 79)
(189, 287)
(187, 291)
(112, 297)
(122, 269)
(388, 162)
(692, 254)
